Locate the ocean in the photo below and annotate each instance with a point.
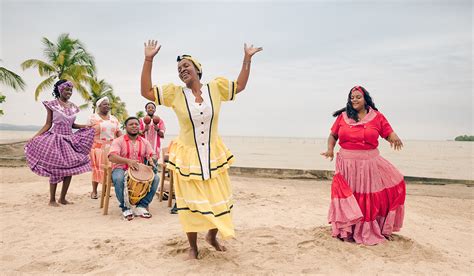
(438, 159)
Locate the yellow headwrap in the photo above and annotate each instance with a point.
(193, 60)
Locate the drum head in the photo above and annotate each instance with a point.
(144, 173)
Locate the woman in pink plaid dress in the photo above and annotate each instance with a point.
(57, 152)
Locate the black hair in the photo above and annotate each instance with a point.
(130, 118)
(200, 73)
(351, 112)
(56, 90)
(150, 103)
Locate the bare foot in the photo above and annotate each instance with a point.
(389, 237)
(94, 195)
(213, 241)
(53, 203)
(192, 254)
(346, 239)
(64, 202)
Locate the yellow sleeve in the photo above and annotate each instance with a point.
(165, 94)
(227, 89)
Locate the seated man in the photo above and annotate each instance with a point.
(127, 151)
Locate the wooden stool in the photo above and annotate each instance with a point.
(106, 181)
(166, 175)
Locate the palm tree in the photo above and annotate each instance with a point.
(98, 89)
(117, 108)
(140, 114)
(12, 80)
(67, 59)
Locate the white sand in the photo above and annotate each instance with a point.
(280, 228)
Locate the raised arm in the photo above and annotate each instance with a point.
(245, 71)
(151, 49)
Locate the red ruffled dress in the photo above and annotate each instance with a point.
(368, 192)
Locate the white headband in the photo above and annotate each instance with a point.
(99, 102)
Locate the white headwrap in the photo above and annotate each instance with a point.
(99, 101)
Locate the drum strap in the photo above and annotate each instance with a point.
(126, 200)
(139, 148)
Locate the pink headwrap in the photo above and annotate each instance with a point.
(64, 85)
(357, 88)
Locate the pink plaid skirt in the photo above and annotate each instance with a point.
(58, 153)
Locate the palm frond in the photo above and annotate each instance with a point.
(67, 59)
(49, 49)
(82, 57)
(77, 71)
(47, 83)
(84, 106)
(44, 69)
(11, 79)
(83, 91)
(65, 44)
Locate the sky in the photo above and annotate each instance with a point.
(414, 57)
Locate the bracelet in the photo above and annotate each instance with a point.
(244, 62)
(150, 60)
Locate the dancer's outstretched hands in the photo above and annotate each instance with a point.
(250, 51)
(151, 48)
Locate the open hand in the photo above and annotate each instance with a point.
(395, 141)
(151, 48)
(133, 164)
(328, 154)
(250, 51)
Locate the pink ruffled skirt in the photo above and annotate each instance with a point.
(367, 197)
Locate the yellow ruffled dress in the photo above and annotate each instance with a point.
(198, 158)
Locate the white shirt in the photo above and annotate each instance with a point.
(201, 116)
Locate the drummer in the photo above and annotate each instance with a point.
(127, 151)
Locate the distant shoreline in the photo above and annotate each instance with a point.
(10, 127)
(24, 128)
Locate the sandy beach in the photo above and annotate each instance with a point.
(281, 228)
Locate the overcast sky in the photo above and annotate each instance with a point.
(414, 57)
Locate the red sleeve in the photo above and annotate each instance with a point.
(148, 149)
(335, 127)
(115, 147)
(161, 125)
(385, 127)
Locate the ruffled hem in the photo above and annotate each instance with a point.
(57, 156)
(366, 217)
(185, 161)
(204, 205)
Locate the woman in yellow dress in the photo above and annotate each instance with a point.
(198, 158)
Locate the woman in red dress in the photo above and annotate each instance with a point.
(367, 193)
